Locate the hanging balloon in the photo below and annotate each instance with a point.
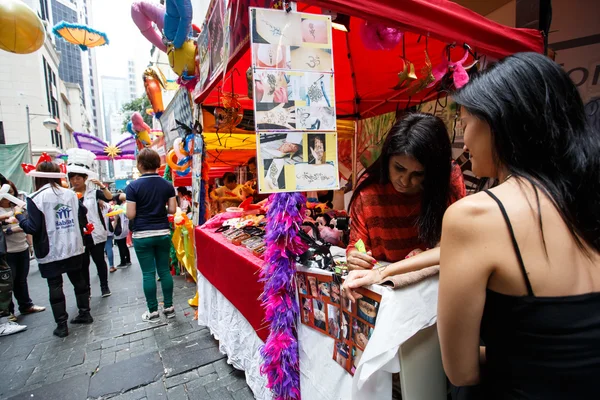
(154, 82)
(376, 36)
(183, 60)
(21, 30)
(144, 14)
(231, 114)
(178, 21)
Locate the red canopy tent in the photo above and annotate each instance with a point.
(365, 78)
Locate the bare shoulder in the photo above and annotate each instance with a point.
(470, 215)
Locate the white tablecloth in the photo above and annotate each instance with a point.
(402, 314)
(237, 339)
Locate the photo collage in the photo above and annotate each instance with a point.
(322, 307)
(294, 100)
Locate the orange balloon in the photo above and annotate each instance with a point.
(154, 92)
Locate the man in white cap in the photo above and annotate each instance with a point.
(84, 183)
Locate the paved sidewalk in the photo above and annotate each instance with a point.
(119, 356)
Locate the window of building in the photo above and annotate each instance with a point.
(2, 137)
(44, 9)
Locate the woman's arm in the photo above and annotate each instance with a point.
(171, 206)
(464, 272)
(34, 220)
(130, 209)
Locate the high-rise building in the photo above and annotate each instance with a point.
(70, 68)
(131, 75)
(31, 91)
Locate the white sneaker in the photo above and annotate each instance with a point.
(169, 312)
(152, 317)
(8, 328)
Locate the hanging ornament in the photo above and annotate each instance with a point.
(376, 36)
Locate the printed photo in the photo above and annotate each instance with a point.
(367, 309)
(215, 35)
(311, 59)
(275, 116)
(316, 89)
(271, 56)
(324, 289)
(333, 319)
(276, 151)
(335, 292)
(356, 355)
(270, 86)
(346, 304)
(346, 328)
(317, 150)
(307, 310)
(301, 282)
(320, 315)
(312, 285)
(341, 354)
(315, 31)
(361, 332)
(275, 27)
(316, 118)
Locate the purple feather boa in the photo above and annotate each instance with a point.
(281, 363)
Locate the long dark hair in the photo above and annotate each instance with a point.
(47, 166)
(425, 138)
(540, 134)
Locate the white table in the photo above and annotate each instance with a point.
(404, 335)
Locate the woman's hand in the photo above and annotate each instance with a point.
(357, 279)
(98, 183)
(357, 260)
(17, 210)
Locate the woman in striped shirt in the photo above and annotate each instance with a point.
(398, 205)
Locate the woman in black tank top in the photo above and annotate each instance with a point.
(520, 264)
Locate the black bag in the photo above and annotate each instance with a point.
(118, 228)
(318, 254)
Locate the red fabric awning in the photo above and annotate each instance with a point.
(364, 78)
(443, 20)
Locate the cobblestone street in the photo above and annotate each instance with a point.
(119, 356)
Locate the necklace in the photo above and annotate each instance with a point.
(507, 178)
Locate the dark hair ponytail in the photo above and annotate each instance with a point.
(540, 133)
(424, 137)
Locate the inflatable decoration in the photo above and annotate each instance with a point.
(144, 14)
(116, 210)
(231, 114)
(30, 169)
(376, 36)
(81, 35)
(122, 150)
(178, 22)
(183, 60)
(21, 30)
(455, 69)
(140, 130)
(179, 159)
(154, 82)
(5, 194)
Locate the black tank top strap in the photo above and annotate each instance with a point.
(514, 242)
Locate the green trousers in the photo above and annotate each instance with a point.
(153, 256)
(6, 286)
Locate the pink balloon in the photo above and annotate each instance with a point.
(138, 122)
(144, 14)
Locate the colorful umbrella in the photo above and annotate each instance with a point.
(81, 35)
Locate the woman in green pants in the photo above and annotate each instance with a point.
(149, 199)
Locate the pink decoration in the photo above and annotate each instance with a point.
(281, 362)
(459, 74)
(376, 36)
(144, 14)
(138, 123)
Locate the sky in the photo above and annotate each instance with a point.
(126, 42)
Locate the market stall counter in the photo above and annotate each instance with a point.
(404, 339)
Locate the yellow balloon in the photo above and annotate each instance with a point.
(184, 58)
(21, 30)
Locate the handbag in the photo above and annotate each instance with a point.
(318, 254)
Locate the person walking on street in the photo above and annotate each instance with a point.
(79, 169)
(149, 199)
(56, 220)
(18, 245)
